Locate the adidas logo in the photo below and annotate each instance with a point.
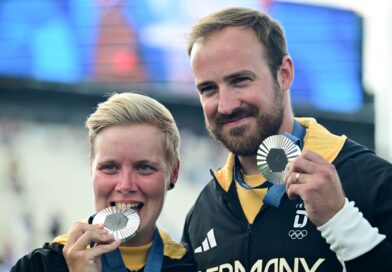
(208, 243)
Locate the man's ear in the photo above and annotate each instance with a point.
(174, 175)
(285, 74)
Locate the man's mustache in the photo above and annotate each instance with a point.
(248, 110)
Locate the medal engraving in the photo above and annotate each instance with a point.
(121, 222)
(115, 221)
(276, 160)
(273, 155)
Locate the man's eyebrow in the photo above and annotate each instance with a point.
(227, 78)
(239, 74)
(204, 84)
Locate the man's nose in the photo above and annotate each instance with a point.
(228, 101)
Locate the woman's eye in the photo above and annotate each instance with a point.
(108, 168)
(145, 169)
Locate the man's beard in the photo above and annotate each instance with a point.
(237, 140)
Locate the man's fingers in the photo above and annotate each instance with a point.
(308, 162)
(313, 156)
(292, 191)
(294, 180)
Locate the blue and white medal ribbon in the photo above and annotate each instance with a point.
(115, 222)
(272, 157)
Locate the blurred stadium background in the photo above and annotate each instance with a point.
(58, 59)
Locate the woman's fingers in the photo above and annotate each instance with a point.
(101, 249)
(80, 228)
(93, 237)
(79, 256)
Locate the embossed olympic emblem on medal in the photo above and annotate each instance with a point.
(123, 223)
(273, 155)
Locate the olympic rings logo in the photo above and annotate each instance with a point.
(297, 234)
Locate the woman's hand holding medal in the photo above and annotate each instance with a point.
(77, 252)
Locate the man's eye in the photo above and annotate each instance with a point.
(206, 89)
(240, 80)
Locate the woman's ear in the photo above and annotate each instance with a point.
(174, 175)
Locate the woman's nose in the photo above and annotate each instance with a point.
(127, 182)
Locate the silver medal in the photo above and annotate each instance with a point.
(273, 155)
(121, 222)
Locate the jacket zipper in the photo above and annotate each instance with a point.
(249, 234)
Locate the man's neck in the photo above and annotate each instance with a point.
(249, 165)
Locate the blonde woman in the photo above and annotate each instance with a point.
(134, 155)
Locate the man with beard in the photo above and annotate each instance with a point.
(335, 213)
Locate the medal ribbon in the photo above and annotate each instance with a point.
(275, 191)
(113, 262)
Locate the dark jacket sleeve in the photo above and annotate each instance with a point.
(185, 264)
(367, 180)
(48, 258)
(378, 259)
(185, 235)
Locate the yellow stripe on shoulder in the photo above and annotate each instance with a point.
(61, 239)
(320, 140)
(171, 248)
(225, 174)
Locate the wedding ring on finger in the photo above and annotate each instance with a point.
(296, 180)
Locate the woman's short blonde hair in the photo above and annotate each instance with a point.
(133, 108)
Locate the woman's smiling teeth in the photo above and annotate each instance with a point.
(125, 206)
